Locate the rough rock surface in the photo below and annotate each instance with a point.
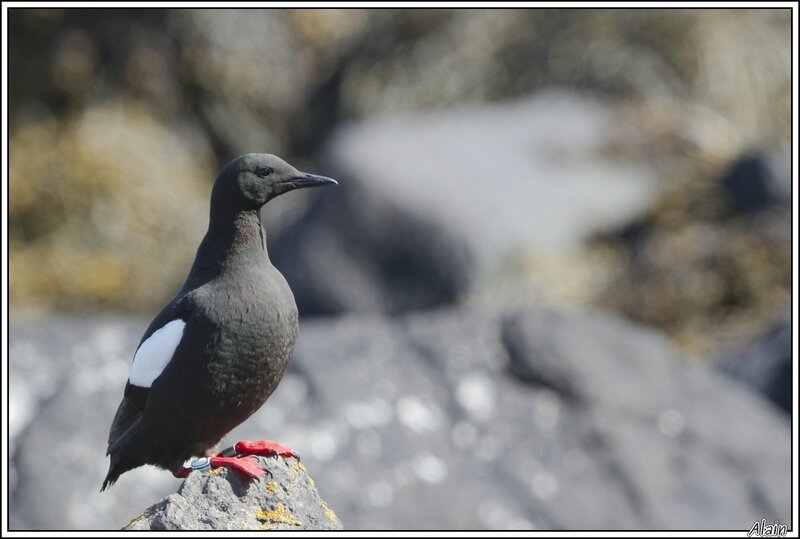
(452, 419)
(429, 205)
(221, 499)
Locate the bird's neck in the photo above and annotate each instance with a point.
(232, 241)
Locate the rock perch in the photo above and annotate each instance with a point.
(221, 499)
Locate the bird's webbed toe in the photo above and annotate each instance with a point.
(267, 448)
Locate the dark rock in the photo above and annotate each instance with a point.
(755, 183)
(451, 419)
(221, 499)
(429, 205)
(355, 251)
(766, 364)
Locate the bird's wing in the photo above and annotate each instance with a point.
(128, 414)
(153, 354)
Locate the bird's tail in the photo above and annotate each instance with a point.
(120, 463)
(114, 471)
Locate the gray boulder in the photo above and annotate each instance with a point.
(221, 499)
(428, 206)
(443, 420)
(531, 420)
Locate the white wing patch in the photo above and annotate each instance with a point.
(154, 353)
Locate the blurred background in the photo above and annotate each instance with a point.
(551, 291)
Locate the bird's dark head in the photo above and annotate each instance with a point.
(253, 179)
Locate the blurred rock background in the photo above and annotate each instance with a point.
(628, 161)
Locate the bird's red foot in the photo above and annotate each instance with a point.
(246, 465)
(264, 447)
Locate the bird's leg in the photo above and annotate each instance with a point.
(246, 465)
(229, 452)
(239, 457)
(262, 447)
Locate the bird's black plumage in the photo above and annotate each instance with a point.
(239, 324)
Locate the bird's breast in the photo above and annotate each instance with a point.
(254, 331)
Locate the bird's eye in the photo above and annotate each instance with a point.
(264, 171)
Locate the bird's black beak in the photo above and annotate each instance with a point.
(310, 180)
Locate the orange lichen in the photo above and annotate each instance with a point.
(279, 515)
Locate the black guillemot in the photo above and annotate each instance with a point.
(216, 352)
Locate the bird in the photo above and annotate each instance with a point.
(219, 348)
